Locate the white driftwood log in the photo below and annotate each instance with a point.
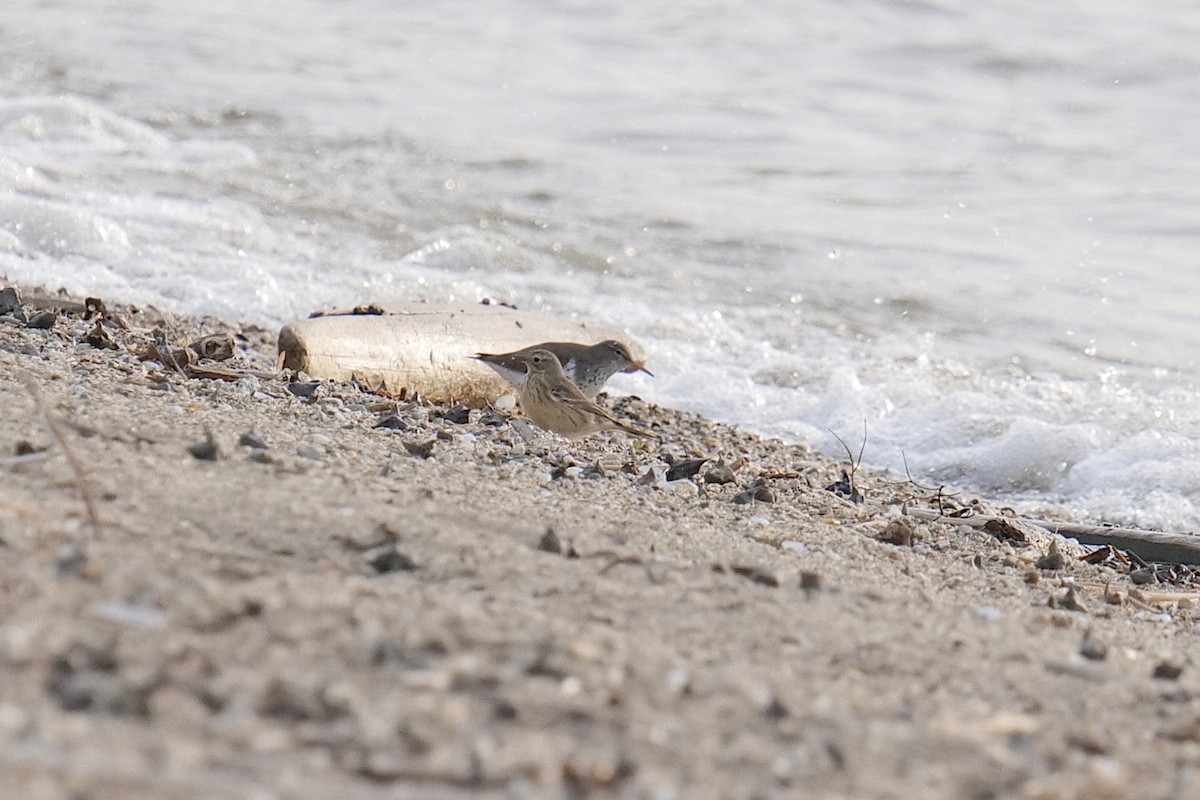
(1172, 548)
(427, 348)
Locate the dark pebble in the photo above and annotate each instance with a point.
(719, 474)
(459, 414)
(10, 300)
(761, 577)
(305, 389)
(43, 320)
(759, 492)
(1144, 575)
(504, 710)
(810, 581)
(550, 543)
(492, 418)
(100, 338)
(776, 710)
(421, 449)
(69, 560)
(389, 559)
(252, 440)
(206, 450)
(1092, 648)
(1053, 559)
(1167, 671)
(900, 531)
(685, 468)
(393, 421)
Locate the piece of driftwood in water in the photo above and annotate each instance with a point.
(427, 348)
(1169, 548)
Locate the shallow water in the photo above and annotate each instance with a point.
(972, 230)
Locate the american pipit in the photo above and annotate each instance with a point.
(554, 403)
(588, 366)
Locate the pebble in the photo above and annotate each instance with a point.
(683, 487)
(989, 613)
(206, 450)
(685, 468)
(550, 543)
(43, 320)
(1092, 648)
(719, 474)
(252, 439)
(458, 414)
(389, 559)
(125, 613)
(1167, 671)
(306, 450)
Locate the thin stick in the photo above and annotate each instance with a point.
(85, 491)
(1172, 548)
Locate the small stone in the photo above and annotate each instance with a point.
(206, 450)
(69, 560)
(390, 559)
(1053, 559)
(458, 414)
(683, 487)
(491, 418)
(684, 468)
(43, 320)
(550, 543)
(1167, 671)
(1144, 575)
(756, 575)
(900, 531)
(719, 474)
(1092, 648)
(758, 492)
(252, 439)
(305, 389)
(421, 449)
(309, 451)
(989, 613)
(393, 421)
(810, 581)
(649, 478)
(775, 710)
(1069, 601)
(10, 300)
(215, 347)
(99, 338)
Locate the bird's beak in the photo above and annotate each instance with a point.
(638, 366)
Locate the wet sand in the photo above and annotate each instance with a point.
(317, 606)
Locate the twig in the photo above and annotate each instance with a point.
(85, 491)
(1172, 548)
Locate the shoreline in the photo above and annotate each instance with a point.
(439, 608)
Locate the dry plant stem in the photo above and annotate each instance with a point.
(85, 490)
(1173, 548)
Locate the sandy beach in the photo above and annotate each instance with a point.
(345, 595)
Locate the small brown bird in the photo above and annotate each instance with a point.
(588, 366)
(554, 403)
